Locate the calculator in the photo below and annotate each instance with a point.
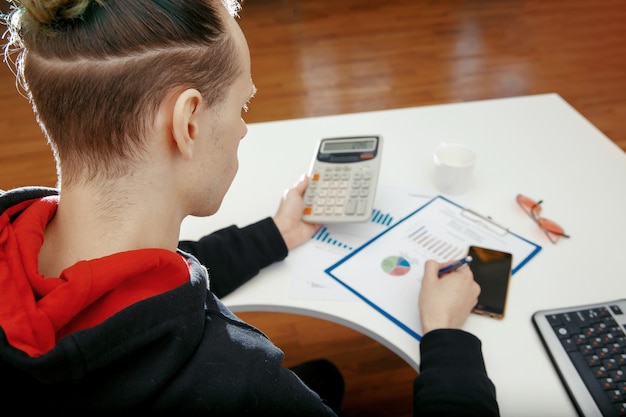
(343, 180)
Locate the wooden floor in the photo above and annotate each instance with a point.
(321, 57)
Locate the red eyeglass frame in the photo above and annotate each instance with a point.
(533, 209)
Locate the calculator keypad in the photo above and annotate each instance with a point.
(339, 190)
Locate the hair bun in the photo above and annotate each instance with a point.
(51, 12)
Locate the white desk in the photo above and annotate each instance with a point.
(537, 145)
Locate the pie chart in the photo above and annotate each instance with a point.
(395, 265)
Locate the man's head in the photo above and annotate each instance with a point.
(97, 72)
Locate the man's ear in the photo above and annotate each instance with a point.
(185, 121)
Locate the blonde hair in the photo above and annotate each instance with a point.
(97, 71)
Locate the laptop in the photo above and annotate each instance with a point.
(587, 345)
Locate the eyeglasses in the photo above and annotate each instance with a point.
(533, 209)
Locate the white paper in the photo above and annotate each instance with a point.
(387, 271)
(334, 241)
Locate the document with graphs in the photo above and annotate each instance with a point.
(386, 272)
(332, 242)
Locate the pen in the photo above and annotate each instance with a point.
(455, 265)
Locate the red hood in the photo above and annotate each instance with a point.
(36, 311)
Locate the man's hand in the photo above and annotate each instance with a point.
(446, 302)
(288, 218)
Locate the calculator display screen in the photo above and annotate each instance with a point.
(364, 145)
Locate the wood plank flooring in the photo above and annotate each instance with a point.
(321, 57)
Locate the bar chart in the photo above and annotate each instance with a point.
(435, 245)
(323, 235)
(336, 235)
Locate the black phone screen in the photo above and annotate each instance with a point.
(492, 271)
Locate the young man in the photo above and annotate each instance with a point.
(102, 308)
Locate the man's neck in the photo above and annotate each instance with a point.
(91, 223)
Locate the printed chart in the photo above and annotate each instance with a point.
(347, 237)
(334, 241)
(395, 266)
(437, 246)
(387, 271)
(323, 235)
(381, 218)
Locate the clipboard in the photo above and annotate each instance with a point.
(386, 272)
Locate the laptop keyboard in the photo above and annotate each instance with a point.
(595, 343)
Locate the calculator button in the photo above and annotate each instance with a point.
(361, 205)
(337, 190)
(351, 206)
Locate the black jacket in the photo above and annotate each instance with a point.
(183, 352)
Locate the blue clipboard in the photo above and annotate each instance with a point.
(386, 271)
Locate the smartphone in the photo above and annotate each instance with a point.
(492, 271)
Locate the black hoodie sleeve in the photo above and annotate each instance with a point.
(453, 380)
(233, 255)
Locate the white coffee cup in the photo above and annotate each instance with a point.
(454, 164)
